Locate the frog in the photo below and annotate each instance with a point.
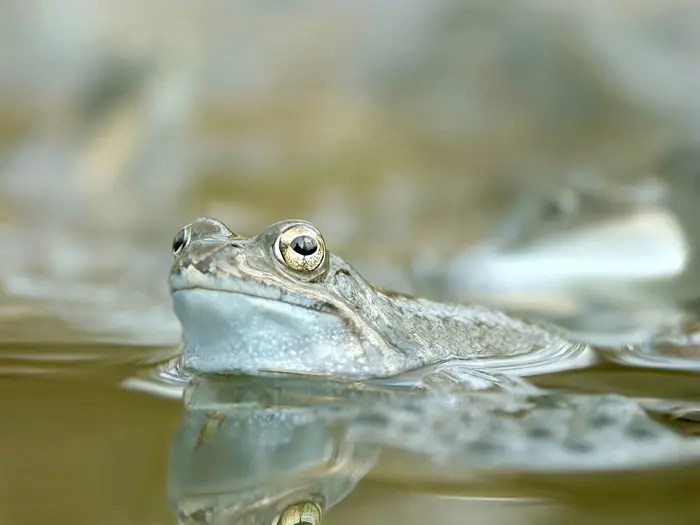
(281, 302)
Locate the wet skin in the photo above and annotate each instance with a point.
(281, 302)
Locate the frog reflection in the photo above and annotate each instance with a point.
(254, 452)
(283, 451)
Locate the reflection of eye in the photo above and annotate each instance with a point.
(563, 205)
(301, 248)
(180, 241)
(305, 513)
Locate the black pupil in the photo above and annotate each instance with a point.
(304, 245)
(179, 241)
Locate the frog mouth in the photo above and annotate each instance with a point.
(243, 287)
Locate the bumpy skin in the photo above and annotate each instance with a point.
(243, 310)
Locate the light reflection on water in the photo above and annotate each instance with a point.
(461, 433)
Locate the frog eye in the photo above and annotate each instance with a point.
(301, 248)
(180, 241)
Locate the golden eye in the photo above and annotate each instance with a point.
(180, 241)
(305, 513)
(301, 248)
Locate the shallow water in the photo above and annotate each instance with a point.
(402, 137)
(92, 440)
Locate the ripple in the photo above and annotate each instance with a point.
(164, 380)
(668, 353)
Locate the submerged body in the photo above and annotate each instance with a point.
(280, 302)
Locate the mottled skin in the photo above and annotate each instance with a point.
(244, 309)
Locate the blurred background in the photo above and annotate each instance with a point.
(406, 131)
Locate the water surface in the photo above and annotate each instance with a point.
(401, 136)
